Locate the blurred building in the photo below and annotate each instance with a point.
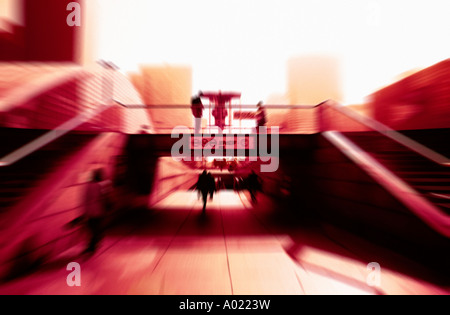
(12, 46)
(163, 86)
(418, 101)
(47, 85)
(44, 35)
(46, 95)
(313, 79)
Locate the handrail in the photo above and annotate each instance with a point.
(38, 86)
(420, 206)
(184, 106)
(51, 136)
(392, 134)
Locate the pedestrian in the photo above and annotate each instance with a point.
(253, 185)
(202, 187)
(261, 118)
(95, 203)
(211, 186)
(197, 111)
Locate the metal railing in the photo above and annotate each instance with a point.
(95, 92)
(103, 86)
(51, 136)
(390, 133)
(418, 205)
(164, 125)
(207, 106)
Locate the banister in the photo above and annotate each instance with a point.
(236, 106)
(391, 133)
(420, 206)
(51, 136)
(39, 86)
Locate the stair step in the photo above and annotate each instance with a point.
(18, 194)
(18, 180)
(16, 185)
(425, 176)
(423, 167)
(9, 199)
(442, 197)
(429, 180)
(399, 160)
(411, 168)
(426, 182)
(444, 205)
(435, 189)
(445, 208)
(418, 174)
(4, 206)
(402, 157)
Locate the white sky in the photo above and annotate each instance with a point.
(244, 45)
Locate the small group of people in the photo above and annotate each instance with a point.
(221, 164)
(206, 185)
(252, 183)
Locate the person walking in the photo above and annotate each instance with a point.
(95, 202)
(253, 185)
(197, 111)
(261, 118)
(202, 187)
(211, 186)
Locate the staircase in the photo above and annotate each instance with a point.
(19, 179)
(429, 179)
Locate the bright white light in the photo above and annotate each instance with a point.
(244, 45)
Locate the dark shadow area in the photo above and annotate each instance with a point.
(21, 178)
(311, 213)
(304, 230)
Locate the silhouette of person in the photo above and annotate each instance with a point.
(253, 185)
(233, 165)
(219, 185)
(197, 110)
(211, 185)
(222, 164)
(202, 186)
(95, 208)
(261, 119)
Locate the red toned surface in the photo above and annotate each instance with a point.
(235, 249)
(419, 101)
(45, 35)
